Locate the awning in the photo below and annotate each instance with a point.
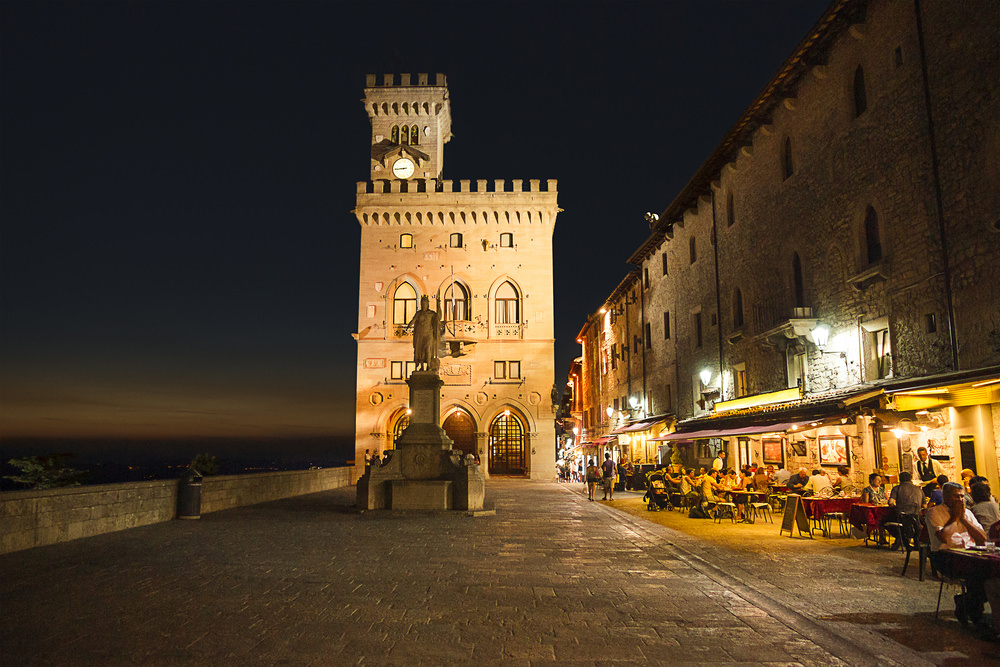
(730, 432)
(602, 441)
(639, 426)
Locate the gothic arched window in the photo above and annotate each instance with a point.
(414, 135)
(507, 304)
(404, 304)
(394, 134)
(456, 303)
(873, 237)
(798, 281)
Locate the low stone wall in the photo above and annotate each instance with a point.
(36, 518)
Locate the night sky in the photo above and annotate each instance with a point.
(177, 251)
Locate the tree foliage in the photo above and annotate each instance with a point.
(44, 472)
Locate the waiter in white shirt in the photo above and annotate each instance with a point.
(925, 471)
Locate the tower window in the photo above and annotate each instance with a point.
(645, 278)
(455, 240)
(693, 249)
(873, 239)
(738, 308)
(730, 211)
(507, 240)
(798, 281)
(787, 165)
(406, 240)
(860, 94)
(664, 257)
(697, 330)
(666, 325)
(394, 134)
(414, 135)
(649, 334)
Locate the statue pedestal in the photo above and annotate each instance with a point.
(423, 472)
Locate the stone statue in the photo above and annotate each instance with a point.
(426, 326)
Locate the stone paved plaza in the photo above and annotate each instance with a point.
(550, 578)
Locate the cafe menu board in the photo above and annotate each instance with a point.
(795, 516)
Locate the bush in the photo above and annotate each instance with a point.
(44, 472)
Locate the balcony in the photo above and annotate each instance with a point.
(508, 331)
(776, 321)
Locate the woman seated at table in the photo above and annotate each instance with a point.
(984, 508)
(874, 493)
(761, 480)
(734, 482)
(843, 484)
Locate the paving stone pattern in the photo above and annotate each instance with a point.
(550, 578)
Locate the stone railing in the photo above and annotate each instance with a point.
(508, 330)
(36, 518)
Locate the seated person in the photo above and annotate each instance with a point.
(761, 481)
(874, 493)
(936, 497)
(711, 489)
(906, 497)
(781, 477)
(984, 508)
(819, 484)
(798, 481)
(843, 483)
(951, 526)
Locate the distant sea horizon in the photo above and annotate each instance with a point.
(115, 459)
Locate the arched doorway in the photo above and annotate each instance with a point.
(507, 445)
(397, 425)
(461, 428)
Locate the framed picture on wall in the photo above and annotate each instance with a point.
(772, 451)
(833, 450)
(798, 447)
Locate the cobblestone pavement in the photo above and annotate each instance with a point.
(550, 578)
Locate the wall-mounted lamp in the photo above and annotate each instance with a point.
(610, 411)
(706, 376)
(821, 336)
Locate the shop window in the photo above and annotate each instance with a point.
(693, 249)
(787, 164)
(507, 304)
(730, 211)
(872, 238)
(860, 94)
(456, 303)
(404, 304)
(666, 325)
(507, 240)
(737, 308)
(406, 240)
(798, 282)
(664, 258)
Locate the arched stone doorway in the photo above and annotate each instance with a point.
(508, 443)
(461, 428)
(397, 424)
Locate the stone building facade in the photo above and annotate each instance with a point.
(482, 252)
(838, 253)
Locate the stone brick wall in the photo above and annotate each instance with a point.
(36, 518)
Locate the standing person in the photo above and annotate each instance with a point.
(608, 475)
(593, 477)
(622, 475)
(579, 471)
(719, 464)
(926, 471)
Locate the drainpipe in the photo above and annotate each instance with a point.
(945, 265)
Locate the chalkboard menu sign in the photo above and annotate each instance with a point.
(795, 515)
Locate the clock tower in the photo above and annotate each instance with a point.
(411, 123)
(481, 251)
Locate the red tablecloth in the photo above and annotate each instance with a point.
(972, 564)
(816, 508)
(749, 496)
(868, 517)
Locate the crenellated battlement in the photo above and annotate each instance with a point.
(405, 80)
(429, 185)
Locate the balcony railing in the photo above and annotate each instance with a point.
(508, 330)
(460, 330)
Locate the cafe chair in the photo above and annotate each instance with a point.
(777, 501)
(842, 527)
(963, 616)
(725, 508)
(762, 510)
(910, 541)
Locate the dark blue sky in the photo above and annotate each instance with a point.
(177, 252)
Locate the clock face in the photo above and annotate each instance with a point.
(402, 168)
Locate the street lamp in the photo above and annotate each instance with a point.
(821, 336)
(706, 376)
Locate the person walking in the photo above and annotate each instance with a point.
(593, 477)
(608, 470)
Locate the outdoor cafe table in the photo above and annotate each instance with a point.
(869, 518)
(744, 498)
(972, 564)
(817, 508)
